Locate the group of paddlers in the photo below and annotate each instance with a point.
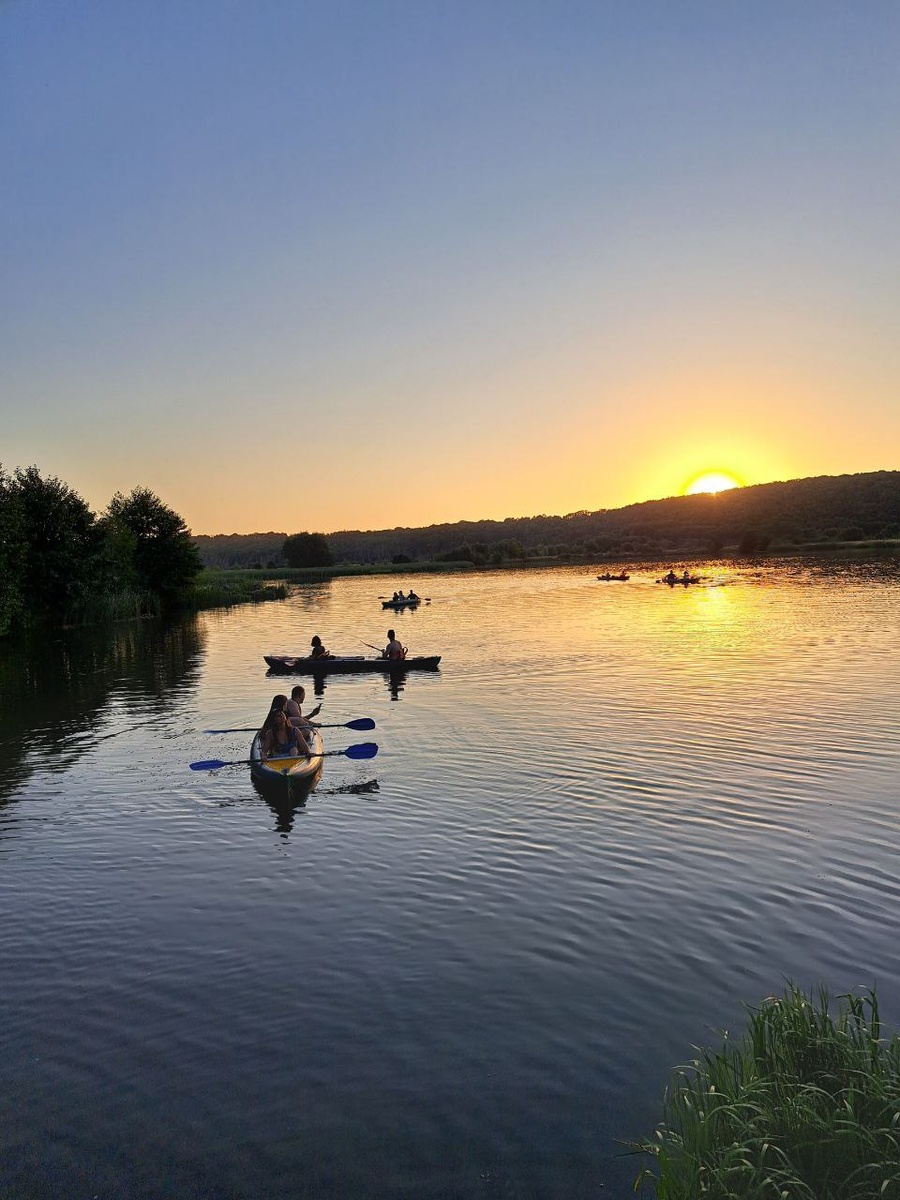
(285, 729)
(399, 598)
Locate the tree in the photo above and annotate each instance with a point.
(60, 539)
(165, 559)
(12, 555)
(307, 550)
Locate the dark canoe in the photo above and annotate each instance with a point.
(401, 603)
(290, 774)
(683, 582)
(284, 664)
(614, 578)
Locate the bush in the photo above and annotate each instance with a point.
(805, 1106)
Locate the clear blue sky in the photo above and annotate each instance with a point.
(355, 265)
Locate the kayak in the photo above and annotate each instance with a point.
(290, 771)
(284, 664)
(401, 603)
(614, 578)
(683, 582)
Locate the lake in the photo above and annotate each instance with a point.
(616, 814)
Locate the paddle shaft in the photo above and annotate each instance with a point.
(360, 723)
(362, 750)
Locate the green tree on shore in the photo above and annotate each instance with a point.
(164, 558)
(60, 539)
(307, 550)
(12, 555)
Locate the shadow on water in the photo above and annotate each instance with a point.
(395, 679)
(60, 689)
(396, 682)
(286, 801)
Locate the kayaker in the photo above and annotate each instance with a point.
(280, 738)
(294, 712)
(318, 650)
(411, 595)
(393, 649)
(671, 577)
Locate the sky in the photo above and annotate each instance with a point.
(355, 264)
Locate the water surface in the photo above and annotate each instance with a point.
(617, 813)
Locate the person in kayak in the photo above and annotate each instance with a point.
(280, 738)
(393, 649)
(294, 712)
(318, 650)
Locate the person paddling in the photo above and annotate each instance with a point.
(318, 650)
(294, 712)
(393, 649)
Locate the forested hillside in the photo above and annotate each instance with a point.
(768, 515)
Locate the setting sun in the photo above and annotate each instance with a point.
(712, 481)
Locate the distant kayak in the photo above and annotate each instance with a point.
(683, 582)
(614, 578)
(402, 603)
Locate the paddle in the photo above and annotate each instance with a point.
(361, 750)
(360, 724)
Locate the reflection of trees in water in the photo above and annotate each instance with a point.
(56, 690)
(311, 595)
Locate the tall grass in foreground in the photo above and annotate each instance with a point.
(804, 1107)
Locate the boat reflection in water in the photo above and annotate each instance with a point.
(285, 799)
(394, 676)
(285, 804)
(396, 682)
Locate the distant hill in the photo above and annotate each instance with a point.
(768, 515)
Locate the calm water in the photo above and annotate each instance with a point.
(616, 814)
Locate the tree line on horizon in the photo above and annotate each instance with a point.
(61, 563)
(748, 520)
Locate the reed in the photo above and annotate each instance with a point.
(100, 608)
(244, 589)
(805, 1107)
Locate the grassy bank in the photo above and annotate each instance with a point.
(806, 1106)
(220, 589)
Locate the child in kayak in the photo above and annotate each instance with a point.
(280, 738)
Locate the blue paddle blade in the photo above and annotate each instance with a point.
(360, 724)
(209, 764)
(363, 750)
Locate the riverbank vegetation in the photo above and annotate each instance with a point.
(805, 1105)
(829, 512)
(61, 564)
